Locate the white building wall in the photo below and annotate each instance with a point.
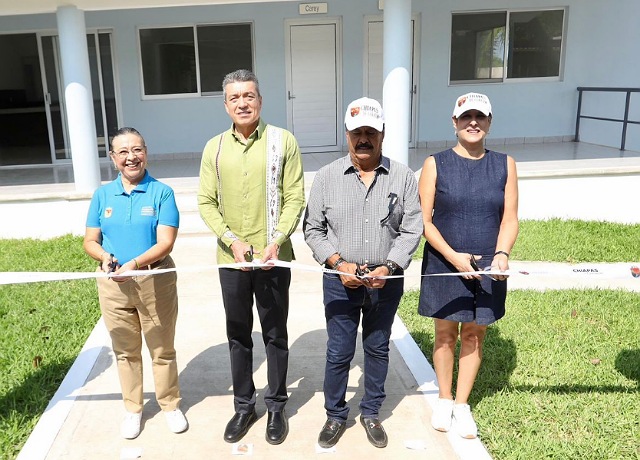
(600, 51)
(597, 53)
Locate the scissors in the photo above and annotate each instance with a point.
(474, 264)
(248, 256)
(113, 265)
(361, 271)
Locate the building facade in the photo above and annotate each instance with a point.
(158, 66)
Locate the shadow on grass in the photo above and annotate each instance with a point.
(22, 405)
(32, 395)
(628, 364)
(499, 360)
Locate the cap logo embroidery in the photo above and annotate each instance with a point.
(461, 101)
(355, 111)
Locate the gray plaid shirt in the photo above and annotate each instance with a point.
(367, 226)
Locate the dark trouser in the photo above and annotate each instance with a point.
(342, 311)
(271, 290)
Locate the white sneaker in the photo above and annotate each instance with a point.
(441, 415)
(465, 425)
(130, 426)
(176, 420)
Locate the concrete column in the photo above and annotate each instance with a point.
(396, 93)
(78, 98)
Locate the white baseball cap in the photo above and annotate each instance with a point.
(364, 112)
(472, 101)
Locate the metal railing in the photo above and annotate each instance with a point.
(625, 121)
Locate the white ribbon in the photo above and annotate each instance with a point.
(599, 271)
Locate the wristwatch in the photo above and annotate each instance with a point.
(391, 266)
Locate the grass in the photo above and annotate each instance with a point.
(573, 241)
(44, 326)
(560, 376)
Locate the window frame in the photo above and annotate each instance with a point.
(505, 68)
(194, 26)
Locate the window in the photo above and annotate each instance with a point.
(173, 64)
(487, 47)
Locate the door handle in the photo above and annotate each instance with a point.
(290, 96)
(414, 90)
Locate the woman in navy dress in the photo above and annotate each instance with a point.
(469, 199)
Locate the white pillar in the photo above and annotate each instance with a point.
(396, 93)
(78, 98)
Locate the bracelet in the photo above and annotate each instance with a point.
(501, 252)
(391, 266)
(136, 262)
(339, 262)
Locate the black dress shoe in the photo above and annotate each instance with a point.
(277, 427)
(375, 432)
(331, 432)
(239, 425)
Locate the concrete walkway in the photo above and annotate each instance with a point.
(91, 428)
(82, 421)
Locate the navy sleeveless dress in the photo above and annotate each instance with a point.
(468, 209)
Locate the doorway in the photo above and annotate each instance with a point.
(313, 84)
(33, 127)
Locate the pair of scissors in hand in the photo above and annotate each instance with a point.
(360, 272)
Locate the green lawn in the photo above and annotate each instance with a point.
(560, 375)
(44, 326)
(573, 241)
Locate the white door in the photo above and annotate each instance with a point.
(374, 70)
(312, 85)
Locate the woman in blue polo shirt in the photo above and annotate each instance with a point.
(132, 224)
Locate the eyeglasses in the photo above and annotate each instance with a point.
(137, 151)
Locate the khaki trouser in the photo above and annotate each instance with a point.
(147, 304)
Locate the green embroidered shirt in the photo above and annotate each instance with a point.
(237, 207)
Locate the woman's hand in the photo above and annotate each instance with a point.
(500, 262)
(106, 260)
(462, 261)
(131, 265)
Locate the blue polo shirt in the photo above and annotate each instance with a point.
(129, 222)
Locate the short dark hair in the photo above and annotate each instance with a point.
(125, 130)
(239, 75)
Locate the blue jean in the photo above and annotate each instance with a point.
(343, 307)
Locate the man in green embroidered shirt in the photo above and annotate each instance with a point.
(251, 196)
